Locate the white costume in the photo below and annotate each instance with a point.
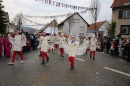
(77, 38)
(74, 48)
(44, 45)
(87, 43)
(17, 42)
(17, 48)
(93, 44)
(61, 40)
(50, 43)
(57, 39)
(69, 38)
(24, 41)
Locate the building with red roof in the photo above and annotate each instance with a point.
(121, 16)
(101, 27)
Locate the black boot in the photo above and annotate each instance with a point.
(43, 62)
(72, 67)
(93, 58)
(40, 55)
(47, 59)
(90, 56)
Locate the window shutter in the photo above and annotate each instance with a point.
(120, 14)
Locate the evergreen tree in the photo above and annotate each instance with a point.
(3, 19)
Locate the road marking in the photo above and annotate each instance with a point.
(75, 58)
(80, 59)
(123, 73)
(56, 51)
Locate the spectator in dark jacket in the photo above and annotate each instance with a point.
(123, 48)
(107, 45)
(116, 46)
(128, 50)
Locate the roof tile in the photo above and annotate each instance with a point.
(117, 3)
(98, 25)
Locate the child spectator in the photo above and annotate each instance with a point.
(113, 47)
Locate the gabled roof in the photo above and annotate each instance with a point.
(98, 25)
(54, 23)
(13, 25)
(118, 3)
(47, 25)
(43, 28)
(71, 16)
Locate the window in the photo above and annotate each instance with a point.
(81, 34)
(124, 14)
(125, 29)
(76, 20)
(81, 28)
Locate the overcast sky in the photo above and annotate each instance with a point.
(33, 8)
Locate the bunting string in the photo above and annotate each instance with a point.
(55, 16)
(34, 25)
(59, 4)
(37, 24)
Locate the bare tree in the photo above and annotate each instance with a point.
(69, 24)
(19, 20)
(54, 26)
(94, 13)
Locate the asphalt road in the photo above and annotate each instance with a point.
(104, 71)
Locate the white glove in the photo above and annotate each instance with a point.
(9, 35)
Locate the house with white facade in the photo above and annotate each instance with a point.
(74, 24)
(101, 27)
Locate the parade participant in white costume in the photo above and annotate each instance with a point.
(77, 38)
(56, 41)
(73, 48)
(87, 43)
(50, 44)
(53, 40)
(24, 42)
(81, 41)
(93, 43)
(69, 38)
(17, 47)
(62, 40)
(44, 46)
